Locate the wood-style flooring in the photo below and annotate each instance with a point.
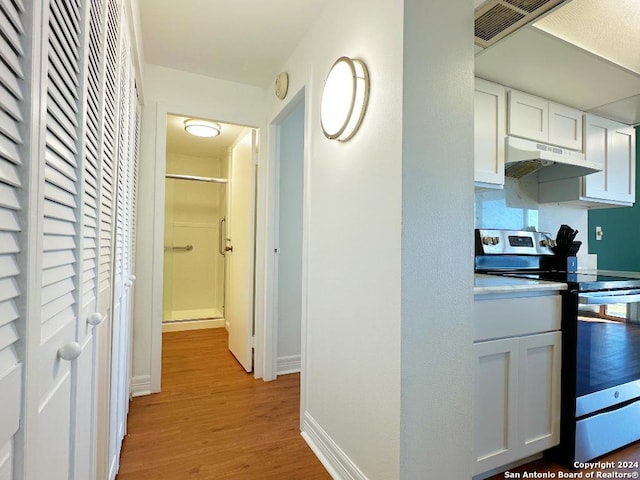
(214, 421)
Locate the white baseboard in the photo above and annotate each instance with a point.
(291, 364)
(141, 385)
(179, 326)
(337, 463)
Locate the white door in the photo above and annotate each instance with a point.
(123, 275)
(14, 163)
(64, 197)
(240, 249)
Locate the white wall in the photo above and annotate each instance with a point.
(173, 91)
(352, 222)
(437, 240)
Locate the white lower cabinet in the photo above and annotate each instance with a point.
(516, 396)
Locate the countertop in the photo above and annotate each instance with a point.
(487, 284)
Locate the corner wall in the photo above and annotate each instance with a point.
(437, 240)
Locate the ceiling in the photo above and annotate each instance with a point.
(585, 54)
(243, 41)
(181, 142)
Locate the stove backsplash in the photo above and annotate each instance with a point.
(516, 207)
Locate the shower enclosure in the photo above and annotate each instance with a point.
(194, 276)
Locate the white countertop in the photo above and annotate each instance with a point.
(487, 284)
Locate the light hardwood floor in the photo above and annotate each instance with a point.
(214, 421)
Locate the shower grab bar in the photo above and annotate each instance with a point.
(186, 248)
(223, 221)
(196, 178)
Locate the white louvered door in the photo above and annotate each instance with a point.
(62, 241)
(68, 146)
(85, 442)
(122, 266)
(14, 94)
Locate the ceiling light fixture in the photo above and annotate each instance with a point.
(344, 99)
(202, 128)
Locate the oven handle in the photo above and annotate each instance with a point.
(609, 298)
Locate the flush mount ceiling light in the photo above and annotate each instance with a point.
(344, 99)
(201, 128)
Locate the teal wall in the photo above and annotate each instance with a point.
(619, 248)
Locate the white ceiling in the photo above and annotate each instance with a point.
(243, 41)
(585, 54)
(181, 142)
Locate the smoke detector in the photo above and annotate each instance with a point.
(495, 19)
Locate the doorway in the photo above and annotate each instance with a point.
(289, 250)
(209, 232)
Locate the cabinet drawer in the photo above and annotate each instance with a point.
(509, 317)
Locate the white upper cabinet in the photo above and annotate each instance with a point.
(528, 116)
(489, 133)
(544, 121)
(612, 145)
(565, 126)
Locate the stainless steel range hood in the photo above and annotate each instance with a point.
(524, 157)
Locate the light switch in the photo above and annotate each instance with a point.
(599, 233)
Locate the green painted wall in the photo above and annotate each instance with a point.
(619, 248)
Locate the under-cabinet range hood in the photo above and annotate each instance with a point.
(524, 157)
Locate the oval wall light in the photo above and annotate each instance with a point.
(202, 128)
(344, 99)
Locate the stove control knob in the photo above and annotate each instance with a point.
(486, 240)
(495, 240)
(547, 242)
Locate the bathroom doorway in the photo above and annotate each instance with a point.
(209, 210)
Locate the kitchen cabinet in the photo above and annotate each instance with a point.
(612, 145)
(489, 133)
(544, 121)
(517, 379)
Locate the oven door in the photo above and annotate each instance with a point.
(608, 372)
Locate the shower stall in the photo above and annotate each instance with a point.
(194, 263)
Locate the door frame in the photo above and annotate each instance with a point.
(157, 265)
(271, 267)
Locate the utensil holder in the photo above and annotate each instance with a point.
(560, 263)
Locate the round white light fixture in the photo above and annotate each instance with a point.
(344, 99)
(202, 128)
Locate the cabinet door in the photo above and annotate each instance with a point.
(613, 145)
(489, 133)
(528, 116)
(565, 126)
(539, 393)
(621, 171)
(495, 403)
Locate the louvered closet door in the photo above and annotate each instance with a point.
(106, 461)
(12, 161)
(62, 240)
(122, 283)
(85, 443)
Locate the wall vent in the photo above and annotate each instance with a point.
(496, 19)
